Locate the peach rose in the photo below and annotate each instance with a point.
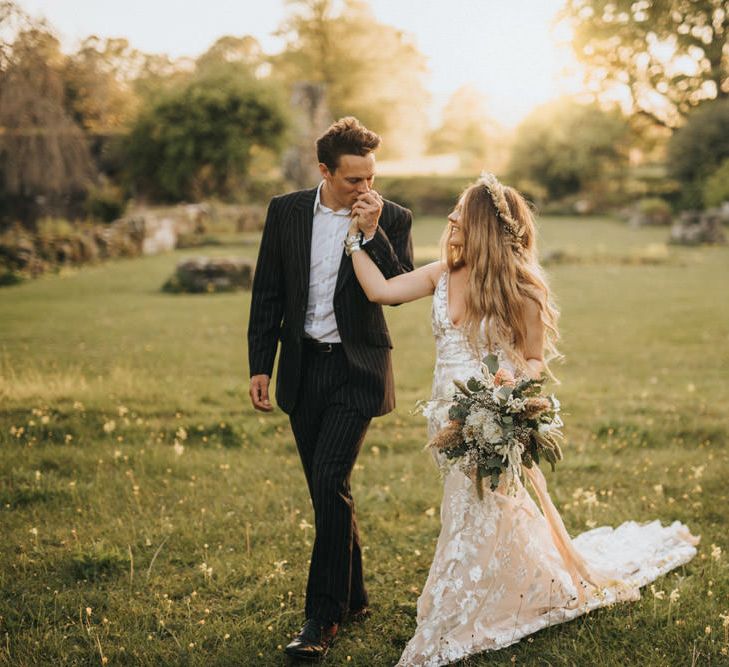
(504, 377)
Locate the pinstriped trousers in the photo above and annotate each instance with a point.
(329, 433)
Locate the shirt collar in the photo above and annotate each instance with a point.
(318, 205)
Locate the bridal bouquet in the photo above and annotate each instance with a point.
(499, 424)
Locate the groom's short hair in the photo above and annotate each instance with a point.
(347, 136)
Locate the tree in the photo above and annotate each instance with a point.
(716, 188)
(369, 69)
(43, 153)
(197, 140)
(566, 147)
(244, 52)
(468, 130)
(667, 55)
(159, 74)
(697, 149)
(99, 84)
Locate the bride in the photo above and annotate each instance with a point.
(502, 568)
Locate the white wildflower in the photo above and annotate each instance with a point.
(279, 566)
(515, 405)
(590, 498)
(481, 425)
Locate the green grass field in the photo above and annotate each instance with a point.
(150, 517)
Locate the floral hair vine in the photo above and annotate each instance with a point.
(496, 192)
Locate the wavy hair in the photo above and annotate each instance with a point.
(504, 271)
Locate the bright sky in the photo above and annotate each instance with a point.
(505, 48)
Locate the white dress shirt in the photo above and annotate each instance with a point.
(327, 238)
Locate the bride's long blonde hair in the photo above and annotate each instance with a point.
(500, 251)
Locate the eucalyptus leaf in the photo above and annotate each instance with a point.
(504, 392)
(492, 363)
(474, 385)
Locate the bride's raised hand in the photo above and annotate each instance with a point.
(398, 289)
(367, 210)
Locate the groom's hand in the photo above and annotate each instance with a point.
(367, 210)
(259, 393)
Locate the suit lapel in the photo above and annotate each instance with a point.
(301, 234)
(345, 272)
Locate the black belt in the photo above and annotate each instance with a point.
(319, 346)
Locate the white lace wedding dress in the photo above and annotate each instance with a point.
(502, 568)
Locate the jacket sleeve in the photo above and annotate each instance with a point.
(267, 298)
(393, 251)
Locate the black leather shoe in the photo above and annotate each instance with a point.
(313, 640)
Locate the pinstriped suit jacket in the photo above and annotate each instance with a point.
(281, 291)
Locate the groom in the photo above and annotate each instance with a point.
(334, 368)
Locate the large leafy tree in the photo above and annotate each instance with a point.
(197, 140)
(667, 55)
(43, 152)
(468, 130)
(242, 51)
(99, 80)
(697, 150)
(564, 148)
(369, 69)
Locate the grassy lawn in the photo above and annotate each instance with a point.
(150, 517)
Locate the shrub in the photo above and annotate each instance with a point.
(697, 149)
(106, 203)
(9, 278)
(654, 211)
(716, 188)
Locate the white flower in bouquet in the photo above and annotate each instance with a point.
(482, 425)
(515, 405)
